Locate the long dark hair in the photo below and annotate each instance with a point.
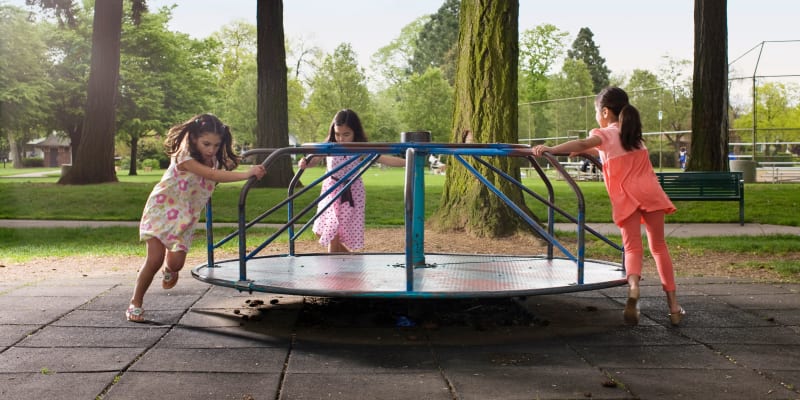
(192, 129)
(350, 118)
(630, 123)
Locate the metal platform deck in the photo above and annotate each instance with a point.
(384, 275)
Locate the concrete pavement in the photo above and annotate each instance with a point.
(67, 338)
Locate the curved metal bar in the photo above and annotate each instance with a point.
(413, 150)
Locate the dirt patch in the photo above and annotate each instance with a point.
(392, 240)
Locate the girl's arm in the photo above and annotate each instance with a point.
(309, 161)
(220, 175)
(392, 161)
(571, 147)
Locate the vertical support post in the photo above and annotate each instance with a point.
(209, 235)
(414, 205)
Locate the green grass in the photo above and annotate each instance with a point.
(42, 198)
(20, 245)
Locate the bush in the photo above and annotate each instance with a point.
(150, 163)
(32, 162)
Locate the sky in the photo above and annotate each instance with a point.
(631, 34)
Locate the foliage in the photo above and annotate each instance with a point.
(24, 87)
(426, 104)
(393, 61)
(584, 48)
(539, 49)
(32, 162)
(340, 83)
(573, 82)
(436, 44)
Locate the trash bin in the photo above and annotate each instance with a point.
(65, 168)
(746, 167)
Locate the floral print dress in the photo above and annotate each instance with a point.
(174, 205)
(344, 218)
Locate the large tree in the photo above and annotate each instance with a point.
(710, 87)
(486, 106)
(584, 48)
(273, 113)
(94, 159)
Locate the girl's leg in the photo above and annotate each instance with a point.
(153, 262)
(632, 242)
(634, 253)
(175, 262)
(654, 222)
(336, 246)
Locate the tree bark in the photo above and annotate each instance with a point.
(710, 133)
(94, 160)
(485, 104)
(273, 107)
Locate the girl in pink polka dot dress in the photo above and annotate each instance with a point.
(341, 226)
(202, 155)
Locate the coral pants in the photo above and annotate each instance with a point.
(634, 252)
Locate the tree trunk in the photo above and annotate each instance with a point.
(485, 105)
(94, 161)
(273, 107)
(134, 154)
(710, 87)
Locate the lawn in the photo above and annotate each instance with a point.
(42, 198)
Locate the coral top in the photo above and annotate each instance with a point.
(629, 177)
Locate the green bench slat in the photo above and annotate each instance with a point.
(704, 186)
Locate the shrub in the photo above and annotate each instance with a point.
(32, 162)
(150, 163)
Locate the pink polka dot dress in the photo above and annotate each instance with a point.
(342, 218)
(174, 206)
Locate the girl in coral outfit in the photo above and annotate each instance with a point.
(201, 156)
(341, 226)
(635, 194)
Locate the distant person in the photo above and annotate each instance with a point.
(437, 166)
(201, 155)
(341, 226)
(682, 157)
(635, 194)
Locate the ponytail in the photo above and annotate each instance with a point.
(630, 123)
(630, 126)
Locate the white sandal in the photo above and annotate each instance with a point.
(170, 279)
(134, 314)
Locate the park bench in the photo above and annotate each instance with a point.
(704, 186)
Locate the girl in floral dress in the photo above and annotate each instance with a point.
(341, 226)
(201, 155)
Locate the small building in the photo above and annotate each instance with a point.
(56, 150)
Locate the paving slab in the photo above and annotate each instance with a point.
(360, 359)
(364, 386)
(233, 360)
(67, 359)
(535, 382)
(694, 383)
(194, 385)
(68, 336)
(27, 386)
